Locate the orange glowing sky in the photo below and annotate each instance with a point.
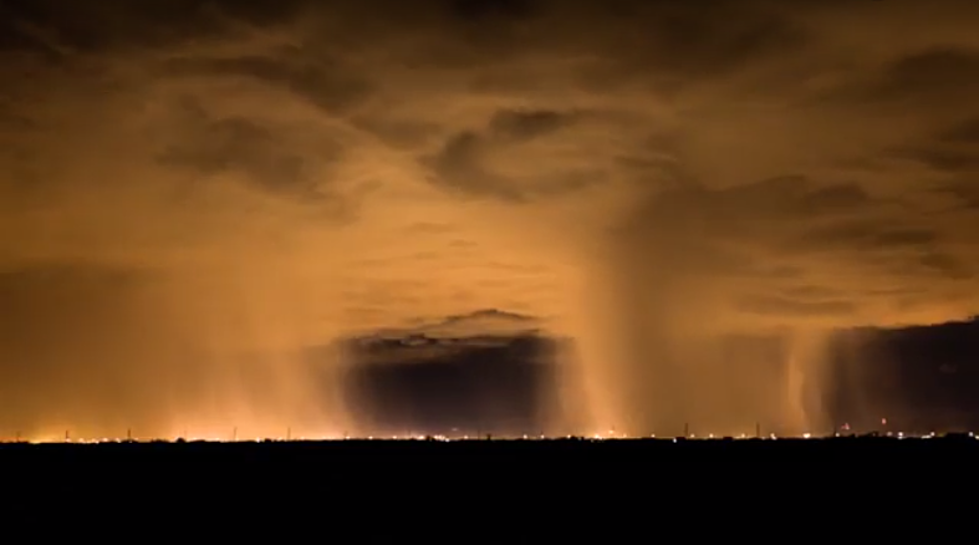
(189, 182)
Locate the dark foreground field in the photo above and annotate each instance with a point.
(499, 468)
(402, 451)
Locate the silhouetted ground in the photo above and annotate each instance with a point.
(467, 473)
(397, 449)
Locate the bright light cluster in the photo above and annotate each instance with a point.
(444, 438)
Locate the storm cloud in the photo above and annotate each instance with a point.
(205, 189)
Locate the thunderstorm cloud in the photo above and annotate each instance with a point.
(194, 192)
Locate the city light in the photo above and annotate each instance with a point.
(462, 437)
(242, 434)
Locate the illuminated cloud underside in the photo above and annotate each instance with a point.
(182, 190)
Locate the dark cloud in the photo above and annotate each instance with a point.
(716, 44)
(62, 26)
(481, 372)
(687, 44)
(862, 236)
(457, 167)
(941, 159)
(809, 292)
(839, 197)
(778, 306)
(928, 79)
(966, 132)
(210, 146)
(835, 236)
(257, 12)
(522, 125)
(939, 73)
(461, 165)
(763, 209)
(965, 192)
(324, 81)
(456, 387)
(403, 134)
(946, 265)
(922, 378)
(904, 237)
(494, 11)
(952, 150)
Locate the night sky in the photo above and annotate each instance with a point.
(716, 212)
